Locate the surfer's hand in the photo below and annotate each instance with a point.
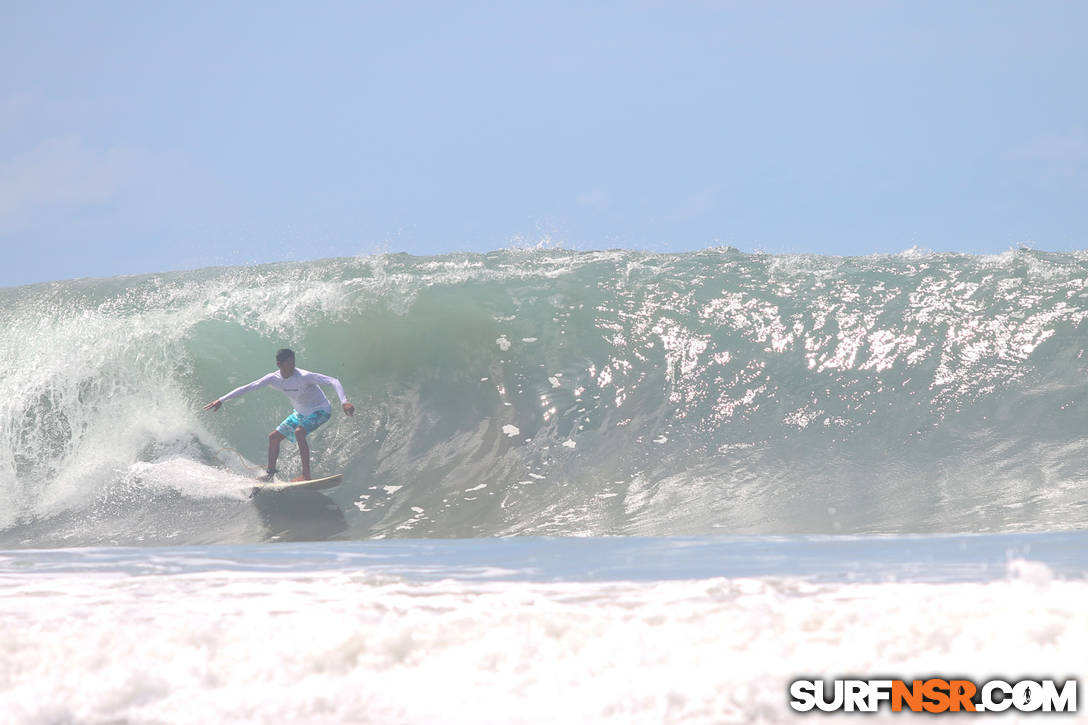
(214, 405)
(349, 408)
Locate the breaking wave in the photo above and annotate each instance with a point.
(555, 392)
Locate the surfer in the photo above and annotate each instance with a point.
(312, 408)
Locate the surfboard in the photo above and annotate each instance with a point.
(312, 484)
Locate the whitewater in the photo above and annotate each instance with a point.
(662, 485)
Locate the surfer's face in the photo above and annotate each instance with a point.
(287, 367)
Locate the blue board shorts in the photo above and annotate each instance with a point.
(309, 422)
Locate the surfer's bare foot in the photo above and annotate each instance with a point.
(266, 478)
(300, 478)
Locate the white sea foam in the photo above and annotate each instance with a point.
(360, 646)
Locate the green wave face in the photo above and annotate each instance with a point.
(555, 392)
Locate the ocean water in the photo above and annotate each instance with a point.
(606, 486)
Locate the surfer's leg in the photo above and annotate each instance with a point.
(274, 439)
(298, 429)
(303, 451)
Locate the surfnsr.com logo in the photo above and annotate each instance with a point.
(934, 695)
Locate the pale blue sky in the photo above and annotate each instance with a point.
(152, 136)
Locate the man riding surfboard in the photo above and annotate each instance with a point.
(312, 408)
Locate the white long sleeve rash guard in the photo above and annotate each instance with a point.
(303, 388)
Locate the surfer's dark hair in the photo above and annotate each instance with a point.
(284, 353)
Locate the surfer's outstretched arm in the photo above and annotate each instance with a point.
(260, 383)
(339, 388)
